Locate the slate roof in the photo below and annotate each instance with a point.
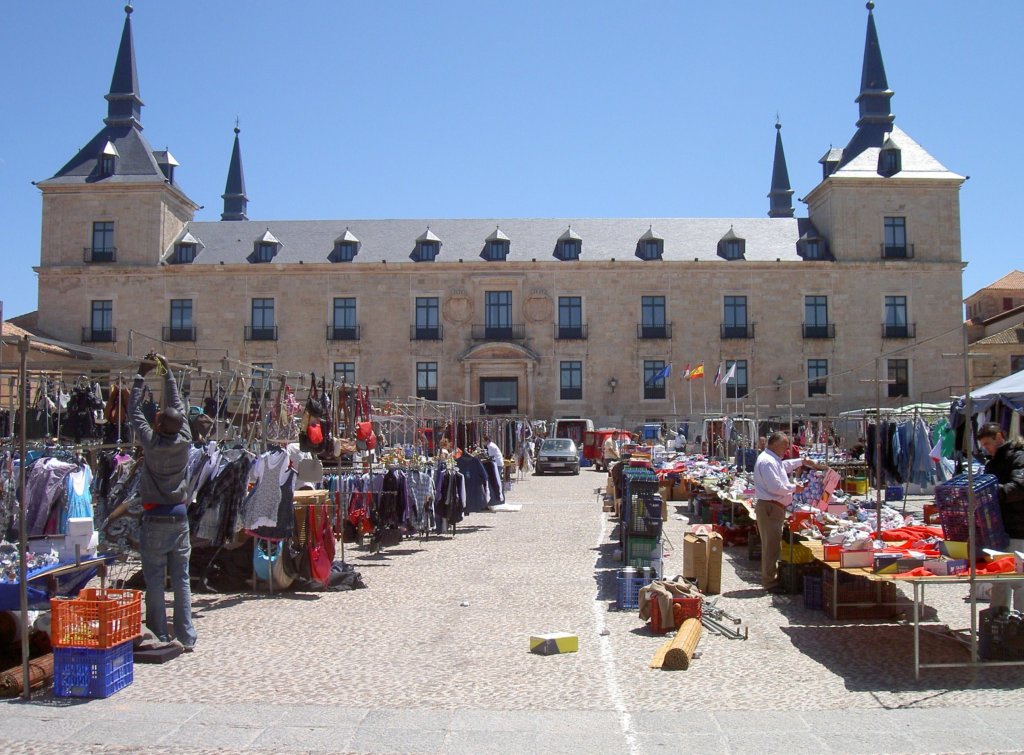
(311, 241)
(915, 161)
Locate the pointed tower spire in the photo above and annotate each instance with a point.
(235, 201)
(781, 195)
(874, 88)
(124, 106)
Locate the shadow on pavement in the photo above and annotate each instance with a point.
(879, 658)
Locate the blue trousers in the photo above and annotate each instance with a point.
(165, 547)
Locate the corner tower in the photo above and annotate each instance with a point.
(117, 202)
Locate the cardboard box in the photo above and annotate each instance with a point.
(554, 643)
(80, 526)
(946, 567)
(856, 559)
(712, 584)
(886, 563)
(695, 556)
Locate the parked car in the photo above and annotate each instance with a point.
(557, 455)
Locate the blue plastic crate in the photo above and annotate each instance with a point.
(93, 673)
(628, 595)
(894, 493)
(952, 503)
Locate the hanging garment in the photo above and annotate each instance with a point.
(474, 474)
(78, 494)
(44, 486)
(267, 510)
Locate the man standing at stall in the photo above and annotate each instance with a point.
(495, 455)
(774, 493)
(165, 545)
(1006, 462)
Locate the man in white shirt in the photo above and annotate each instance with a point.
(774, 493)
(494, 454)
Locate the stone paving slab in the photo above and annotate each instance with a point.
(433, 657)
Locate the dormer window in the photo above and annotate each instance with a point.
(346, 247)
(184, 253)
(569, 246)
(108, 160)
(650, 246)
(496, 247)
(344, 251)
(889, 159)
(265, 248)
(812, 249)
(731, 246)
(428, 246)
(830, 161)
(810, 245)
(167, 164)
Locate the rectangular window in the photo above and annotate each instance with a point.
(101, 321)
(651, 249)
(265, 252)
(185, 254)
(895, 237)
(570, 381)
(812, 250)
(428, 323)
(652, 317)
(817, 381)
(343, 319)
(262, 327)
(816, 323)
(345, 372)
(737, 385)
(181, 321)
(735, 314)
(570, 317)
(896, 324)
(733, 250)
(1007, 303)
(426, 380)
(654, 380)
(899, 378)
(570, 249)
(498, 314)
(102, 249)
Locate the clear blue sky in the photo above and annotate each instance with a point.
(468, 108)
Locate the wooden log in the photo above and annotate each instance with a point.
(40, 672)
(682, 646)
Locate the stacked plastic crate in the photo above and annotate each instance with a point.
(92, 642)
(641, 518)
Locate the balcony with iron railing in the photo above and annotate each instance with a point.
(571, 332)
(737, 331)
(908, 330)
(261, 333)
(653, 332)
(178, 333)
(101, 254)
(515, 332)
(347, 333)
(418, 333)
(897, 252)
(99, 335)
(819, 331)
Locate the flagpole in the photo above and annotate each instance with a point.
(689, 386)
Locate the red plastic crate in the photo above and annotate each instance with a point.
(690, 608)
(96, 618)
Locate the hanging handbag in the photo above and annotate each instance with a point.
(269, 563)
(364, 429)
(314, 406)
(327, 534)
(319, 561)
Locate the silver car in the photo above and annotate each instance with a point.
(557, 455)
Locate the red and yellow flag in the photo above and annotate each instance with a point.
(697, 372)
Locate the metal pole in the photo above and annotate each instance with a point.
(26, 693)
(971, 503)
(878, 445)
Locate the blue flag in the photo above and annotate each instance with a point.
(664, 372)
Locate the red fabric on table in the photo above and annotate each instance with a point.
(1001, 565)
(909, 533)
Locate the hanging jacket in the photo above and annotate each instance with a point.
(1008, 466)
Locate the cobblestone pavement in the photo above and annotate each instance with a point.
(433, 657)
